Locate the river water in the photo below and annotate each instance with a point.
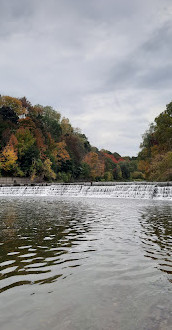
(79, 264)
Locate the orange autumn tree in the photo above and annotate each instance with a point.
(8, 159)
(40, 142)
(62, 154)
(95, 163)
(13, 142)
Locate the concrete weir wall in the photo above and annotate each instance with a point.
(12, 181)
(159, 184)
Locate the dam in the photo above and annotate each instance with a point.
(133, 190)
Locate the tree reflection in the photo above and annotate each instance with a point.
(40, 242)
(156, 236)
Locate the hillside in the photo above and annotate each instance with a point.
(155, 157)
(36, 142)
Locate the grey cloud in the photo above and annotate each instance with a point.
(160, 40)
(102, 64)
(150, 66)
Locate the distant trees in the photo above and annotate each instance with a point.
(35, 142)
(28, 144)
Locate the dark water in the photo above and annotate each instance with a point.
(85, 264)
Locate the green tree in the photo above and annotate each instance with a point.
(25, 140)
(125, 168)
(117, 173)
(48, 172)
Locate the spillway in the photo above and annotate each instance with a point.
(97, 190)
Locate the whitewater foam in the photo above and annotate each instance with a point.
(121, 190)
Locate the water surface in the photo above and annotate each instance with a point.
(85, 264)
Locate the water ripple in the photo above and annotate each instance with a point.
(52, 234)
(48, 241)
(156, 237)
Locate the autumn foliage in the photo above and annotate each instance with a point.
(96, 164)
(155, 157)
(35, 142)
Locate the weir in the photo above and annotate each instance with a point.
(161, 191)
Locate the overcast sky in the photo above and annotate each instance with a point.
(104, 64)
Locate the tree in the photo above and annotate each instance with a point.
(144, 167)
(40, 142)
(62, 154)
(161, 167)
(12, 103)
(148, 142)
(110, 156)
(96, 165)
(51, 120)
(117, 173)
(163, 129)
(85, 171)
(27, 123)
(26, 103)
(116, 155)
(28, 159)
(9, 114)
(66, 127)
(13, 142)
(138, 175)
(25, 140)
(48, 172)
(154, 159)
(47, 146)
(8, 160)
(108, 176)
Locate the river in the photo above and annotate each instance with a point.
(85, 264)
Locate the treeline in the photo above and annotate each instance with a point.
(36, 142)
(155, 157)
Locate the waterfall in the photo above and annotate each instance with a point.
(97, 190)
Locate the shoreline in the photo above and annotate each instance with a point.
(88, 183)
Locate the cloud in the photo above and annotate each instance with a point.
(105, 65)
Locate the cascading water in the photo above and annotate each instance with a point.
(97, 190)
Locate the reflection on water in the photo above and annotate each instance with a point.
(85, 264)
(39, 242)
(156, 236)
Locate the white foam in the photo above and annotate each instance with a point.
(130, 190)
